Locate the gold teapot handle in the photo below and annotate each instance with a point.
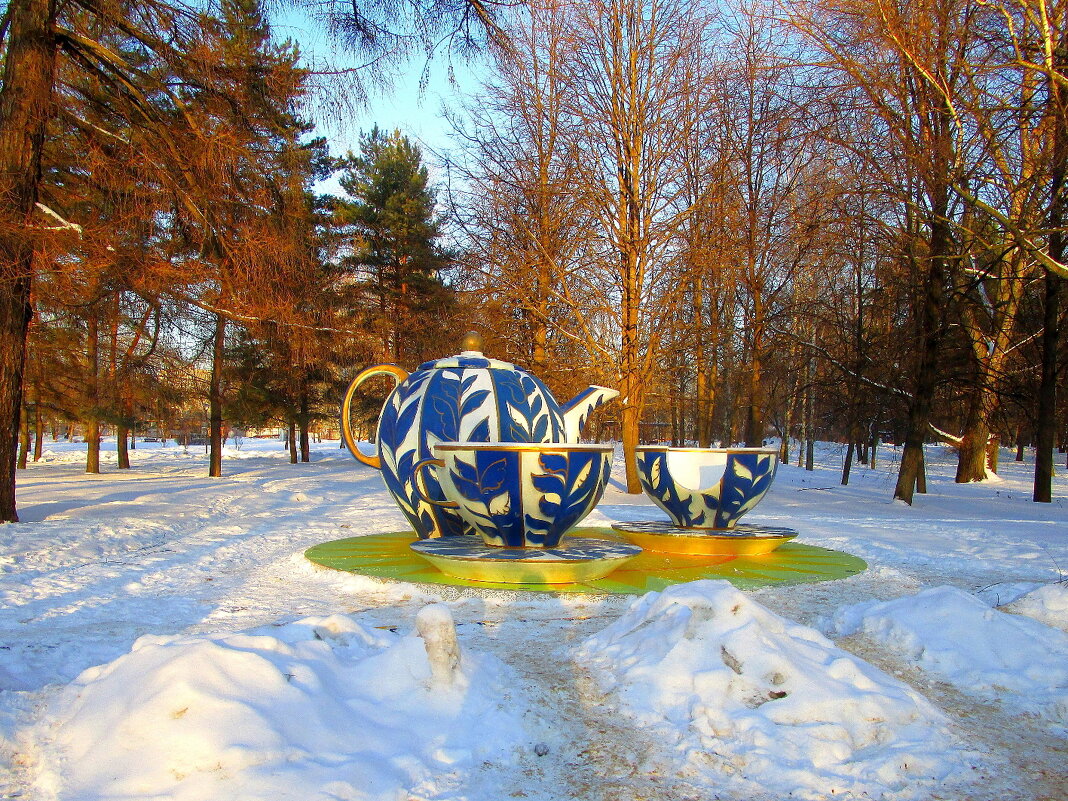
(399, 374)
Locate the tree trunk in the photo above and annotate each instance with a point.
(124, 433)
(215, 400)
(633, 393)
(630, 418)
(754, 419)
(848, 464)
(673, 418)
(708, 431)
(292, 441)
(810, 415)
(25, 108)
(702, 424)
(541, 328)
(92, 441)
(991, 354)
(921, 474)
(971, 456)
(926, 371)
(305, 445)
(38, 433)
(24, 438)
(702, 406)
(1046, 425)
(122, 447)
(92, 425)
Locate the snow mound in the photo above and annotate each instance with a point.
(1013, 659)
(1005, 592)
(324, 708)
(751, 697)
(1047, 604)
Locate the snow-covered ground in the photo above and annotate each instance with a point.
(162, 637)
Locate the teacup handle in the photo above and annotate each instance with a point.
(420, 489)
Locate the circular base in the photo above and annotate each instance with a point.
(742, 540)
(575, 560)
(389, 557)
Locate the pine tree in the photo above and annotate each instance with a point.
(396, 251)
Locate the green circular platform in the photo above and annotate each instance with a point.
(388, 556)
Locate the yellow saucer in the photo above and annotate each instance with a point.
(743, 540)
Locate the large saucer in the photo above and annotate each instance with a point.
(576, 559)
(742, 540)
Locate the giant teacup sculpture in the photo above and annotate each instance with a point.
(521, 498)
(705, 491)
(479, 412)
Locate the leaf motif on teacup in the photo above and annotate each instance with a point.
(499, 505)
(697, 507)
(493, 476)
(654, 473)
(553, 464)
(742, 472)
(584, 474)
(464, 477)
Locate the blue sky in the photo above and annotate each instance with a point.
(416, 112)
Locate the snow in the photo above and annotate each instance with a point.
(1047, 604)
(1007, 658)
(322, 708)
(163, 637)
(748, 696)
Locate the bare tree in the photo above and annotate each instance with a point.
(632, 72)
(902, 64)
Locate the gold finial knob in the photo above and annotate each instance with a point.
(472, 341)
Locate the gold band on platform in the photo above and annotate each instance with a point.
(512, 572)
(575, 561)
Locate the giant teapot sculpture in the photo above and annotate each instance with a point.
(466, 397)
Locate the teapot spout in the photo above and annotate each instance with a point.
(578, 409)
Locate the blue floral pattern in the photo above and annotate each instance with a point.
(525, 497)
(746, 479)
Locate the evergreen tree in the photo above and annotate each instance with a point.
(396, 256)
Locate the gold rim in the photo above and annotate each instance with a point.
(522, 446)
(668, 448)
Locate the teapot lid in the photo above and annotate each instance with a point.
(469, 357)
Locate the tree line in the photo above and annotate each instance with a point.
(818, 219)
(833, 219)
(161, 243)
